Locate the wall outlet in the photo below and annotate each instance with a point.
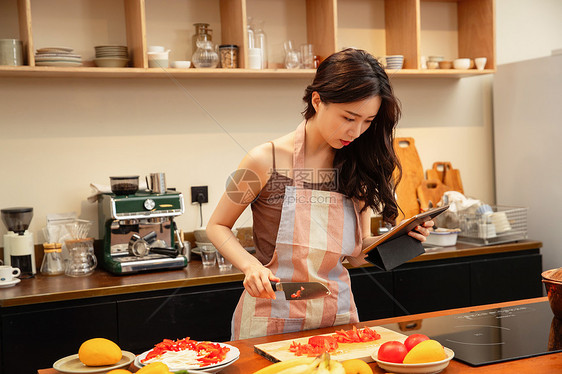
(199, 194)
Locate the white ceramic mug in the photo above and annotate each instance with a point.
(8, 273)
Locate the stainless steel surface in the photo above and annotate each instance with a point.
(301, 290)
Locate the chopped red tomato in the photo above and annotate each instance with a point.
(316, 346)
(296, 295)
(208, 353)
(356, 336)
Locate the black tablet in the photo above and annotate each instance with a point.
(406, 226)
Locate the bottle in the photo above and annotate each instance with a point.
(260, 41)
(250, 33)
(202, 33)
(205, 56)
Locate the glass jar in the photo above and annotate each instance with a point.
(229, 56)
(205, 56)
(202, 33)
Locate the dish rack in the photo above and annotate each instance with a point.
(503, 224)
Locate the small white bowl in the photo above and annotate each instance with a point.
(442, 238)
(461, 63)
(426, 368)
(433, 65)
(181, 64)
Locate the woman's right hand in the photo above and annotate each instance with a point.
(257, 281)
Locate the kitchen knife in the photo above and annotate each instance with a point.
(301, 290)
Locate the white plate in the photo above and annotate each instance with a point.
(58, 63)
(55, 49)
(426, 368)
(10, 283)
(72, 364)
(232, 355)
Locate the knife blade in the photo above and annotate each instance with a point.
(301, 290)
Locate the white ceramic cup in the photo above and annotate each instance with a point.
(480, 62)
(158, 59)
(8, 273)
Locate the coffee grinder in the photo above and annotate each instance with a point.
(139, 233)
(19, 248)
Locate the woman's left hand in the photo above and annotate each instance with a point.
(421, 232)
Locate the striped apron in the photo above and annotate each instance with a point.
(317, 230)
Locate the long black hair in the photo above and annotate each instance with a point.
(365, 167)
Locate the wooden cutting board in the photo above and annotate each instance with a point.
(443, 171)
(279, 351)
(412, 175)
(430, 190)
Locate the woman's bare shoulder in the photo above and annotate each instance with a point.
(284, 146)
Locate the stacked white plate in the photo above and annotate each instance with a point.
(111, 56)
(57, 56)
(394, 62)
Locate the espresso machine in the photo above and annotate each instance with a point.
(139, 232)
(19, 248)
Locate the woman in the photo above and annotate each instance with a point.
(314, 189)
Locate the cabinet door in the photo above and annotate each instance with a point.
(204, 314)
(505, 279)
(429, 288)
(372, 291)
(36, 339)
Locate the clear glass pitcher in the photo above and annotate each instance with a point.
(82, 260)
(205, 56)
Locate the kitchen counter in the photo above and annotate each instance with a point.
(250, 361)
(43, 289)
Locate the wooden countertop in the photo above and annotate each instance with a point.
(58, 288)
(250, 361)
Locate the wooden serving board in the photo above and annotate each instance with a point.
(279, 351)
(431, 190)
(412, 175)
(443, 171)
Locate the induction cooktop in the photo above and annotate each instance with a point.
(495, 335)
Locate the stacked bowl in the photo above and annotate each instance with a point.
(57, 56)
(394, 62)
(111, 56)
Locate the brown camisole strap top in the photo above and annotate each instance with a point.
(266, 209)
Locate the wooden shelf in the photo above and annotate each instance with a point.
(95, 72)
(402, 29)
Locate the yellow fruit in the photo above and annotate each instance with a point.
(283, 365)
(155, 368)
(119, 371)
(426, 351)
(99, 352)
(356, 366)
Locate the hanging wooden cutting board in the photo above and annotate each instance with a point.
(430, 190)
(443, 171)
(412, 175)
(279, 351)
